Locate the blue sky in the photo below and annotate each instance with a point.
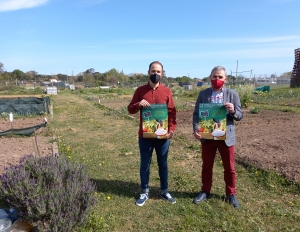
(189, 37)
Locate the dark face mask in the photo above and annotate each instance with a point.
(155, 78)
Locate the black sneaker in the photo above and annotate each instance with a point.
(232, 200)
(167, 196)
(201, 197)
(143, 198)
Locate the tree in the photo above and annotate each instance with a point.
(4, 76)
(139, 77)
(91, 70)
(205, 79)
(79, 78)
(62, 77)
(183, 79)
(112, 75)
(88, 78)
(286, 74)
(30, 75)
(18, 74)
(1, 68)
(54, 77)
(122, 77)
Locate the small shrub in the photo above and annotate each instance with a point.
(245, 93)
(96, 223)
(254, 110)
(286, 110)
(50, 192)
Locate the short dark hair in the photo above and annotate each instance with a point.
(156, 62)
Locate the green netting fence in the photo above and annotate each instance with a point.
(23, 131)
(25, 105)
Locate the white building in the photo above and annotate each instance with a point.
(264, 80)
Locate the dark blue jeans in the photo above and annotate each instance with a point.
(161, 147)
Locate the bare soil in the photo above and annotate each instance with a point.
(15, 147)
(267, 140)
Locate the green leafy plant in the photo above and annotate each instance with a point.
(245, 93)
(50, 192)
(95, 223)
(254, 110)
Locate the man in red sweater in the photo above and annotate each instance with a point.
(154, 92)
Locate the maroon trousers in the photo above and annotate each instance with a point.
(209, 149)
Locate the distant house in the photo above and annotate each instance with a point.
(104, 87)
(283, 80)
(56, 83)
(264, 80)
(187, 85)
(51, 90)
(199, 83)
(46, 83)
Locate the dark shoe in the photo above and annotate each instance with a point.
(232, 200)
(167, 196)
(201, 197)
(143, 198)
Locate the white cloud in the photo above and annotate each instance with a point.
(8, 5)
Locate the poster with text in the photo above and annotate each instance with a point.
(212, 121)
(155, 121)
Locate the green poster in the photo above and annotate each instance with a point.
(212, 121)
(155, 121)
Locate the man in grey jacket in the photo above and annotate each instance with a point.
(218, 93)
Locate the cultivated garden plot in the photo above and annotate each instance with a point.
(14, 147)
(267, 140)
(104, 139)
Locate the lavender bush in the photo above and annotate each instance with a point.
(50, 192)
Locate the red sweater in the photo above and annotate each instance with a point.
(160, 95)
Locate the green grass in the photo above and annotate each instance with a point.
(14, 90)
(106, 142)
(278, 99)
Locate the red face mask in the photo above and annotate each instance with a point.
(217, 83)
